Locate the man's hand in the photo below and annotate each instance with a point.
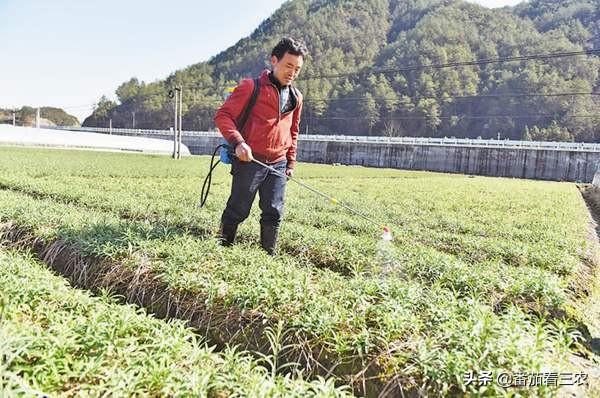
(289, 172)
(244, 152)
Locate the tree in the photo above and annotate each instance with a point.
(128, 90)
(104, 107)
(526, 134)
(430, 110)
(369, 110)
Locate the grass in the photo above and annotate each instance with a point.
(481, 275)
(62, 341)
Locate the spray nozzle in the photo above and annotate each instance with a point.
(387, 234)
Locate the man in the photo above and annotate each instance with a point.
(269, 135)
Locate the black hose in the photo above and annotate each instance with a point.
(208, 179)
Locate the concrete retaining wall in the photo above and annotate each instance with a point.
(540, 164)
(542, 160)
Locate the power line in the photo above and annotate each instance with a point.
(312, 117)
(460, 63)
(484, 61)
(413, 68)
(441, 66)
(80, 106)
(531, 116)
(419, 67)
(452, 96)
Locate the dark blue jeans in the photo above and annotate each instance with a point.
(248, 178)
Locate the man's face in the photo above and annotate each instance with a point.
(287, 68)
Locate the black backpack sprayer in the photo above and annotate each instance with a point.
(226, 154)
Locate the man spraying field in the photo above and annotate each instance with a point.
(268, 134)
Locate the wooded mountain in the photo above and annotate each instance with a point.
(357, 48)
(26, 116)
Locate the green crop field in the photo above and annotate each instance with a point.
(483, 274)
(55, 339)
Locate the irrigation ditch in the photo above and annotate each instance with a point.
(591, 274)
(589, 287)
(218, 326)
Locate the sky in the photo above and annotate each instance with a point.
(68, 53)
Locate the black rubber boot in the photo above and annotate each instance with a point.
(227, 234)
(268, 238)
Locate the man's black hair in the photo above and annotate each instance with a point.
(289, 45)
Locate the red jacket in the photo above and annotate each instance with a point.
(272, 136)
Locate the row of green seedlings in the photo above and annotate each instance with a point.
(381, 332)
(425, 198)
(480, 200)
(537, 280)
(57, 340)
(555, 254)
(544, 240)
(52, 162)
(529, 283)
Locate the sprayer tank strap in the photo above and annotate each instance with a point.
(241, 122)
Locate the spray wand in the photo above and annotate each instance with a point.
(226, 153)
(387, 234)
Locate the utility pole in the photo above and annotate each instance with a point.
(110, 126)
(14, 118)
(173, 94)
(307, 120)
(37, 118)
(177, 95)
(133, 119)
(180, 117)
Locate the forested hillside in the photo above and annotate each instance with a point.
(363, 76)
